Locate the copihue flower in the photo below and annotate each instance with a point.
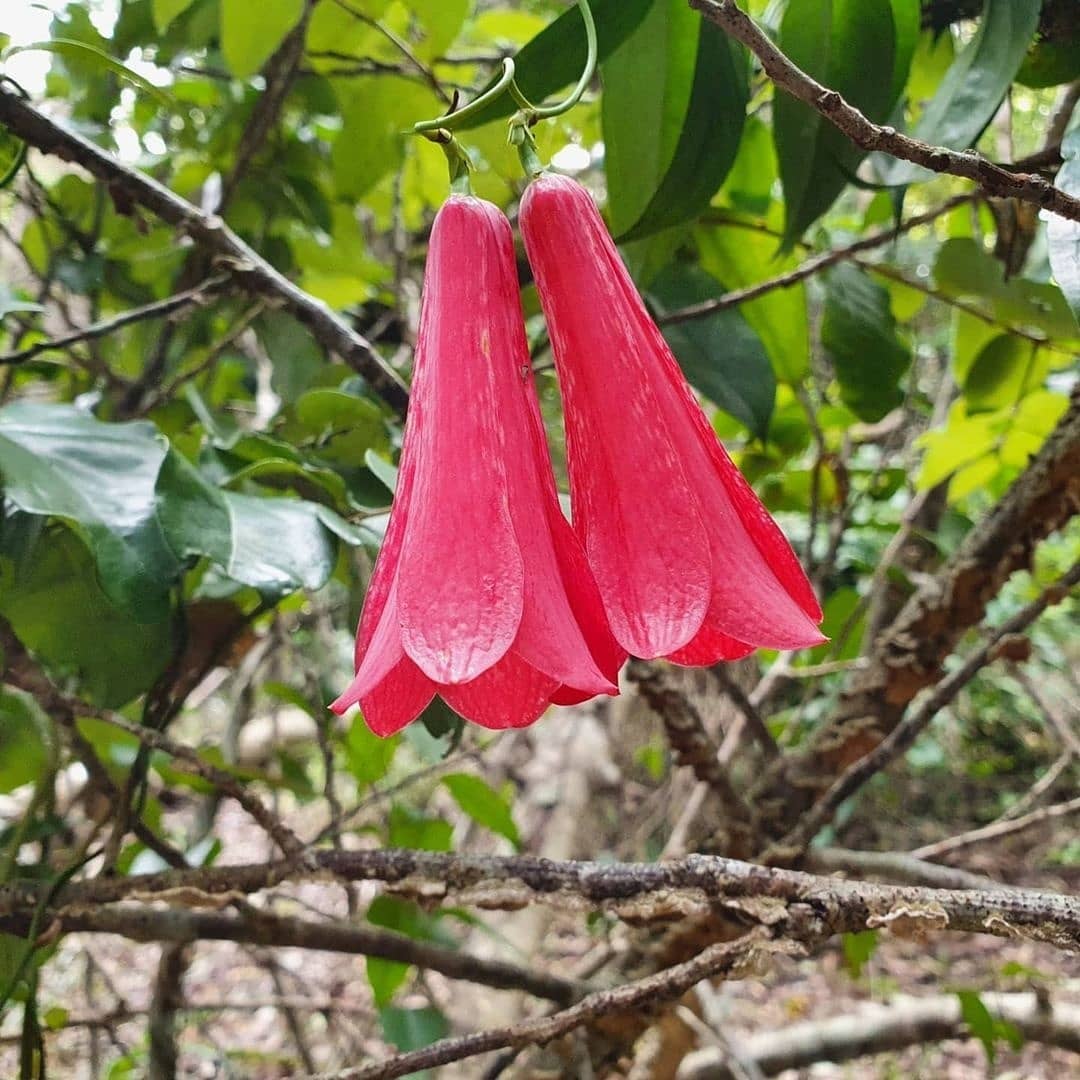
(689, 563)
(481, 592)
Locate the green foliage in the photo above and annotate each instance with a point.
(483, 804)
(987, 1028)
(675, 98)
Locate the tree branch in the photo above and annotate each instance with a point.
(212, 235)
(877, 1029)
(157, 310)
(717, 961)
(638, 891)
(141, 922)
(969, 165)
(997, 829)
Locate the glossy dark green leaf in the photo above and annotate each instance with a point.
(59, 612)
(720, 354)
(1063, 235)
(673, 111)
(846, 45)
(907, 21)
(859, 332)
(61, 462)
(976, 82)
(555, 58)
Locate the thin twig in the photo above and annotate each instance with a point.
(157, 310)
(997, 829)
(208, 231)
(1027, 187)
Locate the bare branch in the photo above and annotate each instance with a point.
(997, 829)
(898, 867)
(639, 891)
(141, 922)
(877, 1029)
(211, 234)
(1027, 187)
(729, 959)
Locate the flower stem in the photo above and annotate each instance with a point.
(454, 119)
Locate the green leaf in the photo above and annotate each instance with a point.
(410, 829)
(720, 354)
(673, 110)
(859, 332)
(984, 1026)
(846, 45)
(26, 741)
(1051, 63)
(296, 358)
(251, 32)
(411, 1029)
(1063, 235)
(441, 21)
(555, 58)
(858, 948)
(165, 11)
(999, 373)
(483, 804)
(964, 270)
(375, 114)
(976, 83)
(907, 20)
(69, 47)
(59, 612)
(740, 257)
(278, 545)
(61, 462)
(367, 756)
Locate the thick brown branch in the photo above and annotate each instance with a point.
(634, 890)
(211, 234)
(1027, 187)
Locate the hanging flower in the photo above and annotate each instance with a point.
(689, 563)
(481, 592)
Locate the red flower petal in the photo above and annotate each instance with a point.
(512, 694)
(688, 561)
(461, 578)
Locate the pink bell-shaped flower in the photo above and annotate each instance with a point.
(689, 563)
(481, 592)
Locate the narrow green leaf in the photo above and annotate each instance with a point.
(859, 332)
(70, 47)
(979, 1021)
(720, 354)
(251, 32)
(858, 948)
(555, 58)
(907, 20)
(1063, 235)
(846, 45)
(483, 804)
(975, 84)
(709, 137)
(411, 1029)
